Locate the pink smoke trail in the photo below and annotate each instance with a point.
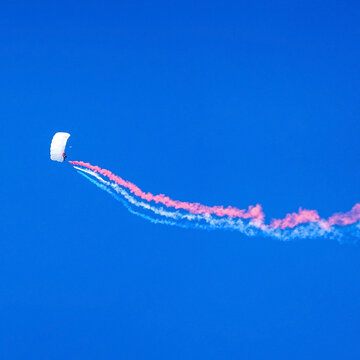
(253, 212)
(306, 216)
(343, 219)
(294, 219)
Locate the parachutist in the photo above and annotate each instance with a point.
(57, 147)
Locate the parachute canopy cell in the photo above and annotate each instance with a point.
(58, 144)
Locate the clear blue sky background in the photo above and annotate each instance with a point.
(232, 103)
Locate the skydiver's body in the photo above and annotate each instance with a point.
(64, 156)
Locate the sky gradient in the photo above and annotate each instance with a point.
(230, 103)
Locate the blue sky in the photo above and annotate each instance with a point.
(225, 103)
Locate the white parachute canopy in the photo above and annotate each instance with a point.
(58, 144)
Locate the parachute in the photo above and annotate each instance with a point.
(58, 144)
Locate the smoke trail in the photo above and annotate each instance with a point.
(206, 221)
(303, 224)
